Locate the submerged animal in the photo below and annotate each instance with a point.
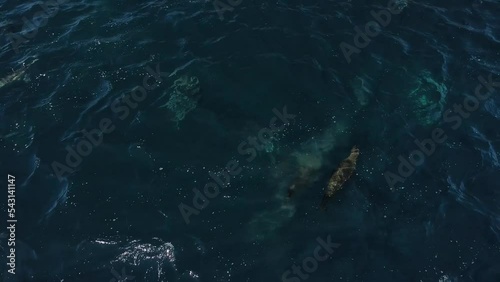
(16, 74)
(340, 176)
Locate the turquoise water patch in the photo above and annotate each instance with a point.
(183, 97)
(428, 98)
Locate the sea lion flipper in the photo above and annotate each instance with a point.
(291, 190)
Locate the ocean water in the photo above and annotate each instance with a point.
(112, 112)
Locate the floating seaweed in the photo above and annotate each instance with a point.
(184, 96)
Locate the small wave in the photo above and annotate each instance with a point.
(490, 155)
(466, 198)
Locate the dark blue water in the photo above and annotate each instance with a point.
(181, 89)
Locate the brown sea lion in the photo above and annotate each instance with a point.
(340, 176)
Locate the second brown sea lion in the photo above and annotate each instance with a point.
(340, 176)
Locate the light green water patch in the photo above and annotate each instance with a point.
(362, 90)
(311, 154)
(302, 164)
(268, 147)
(183, 97)
(265, 223)
(272, 145)
(427, 97)
(401, 4)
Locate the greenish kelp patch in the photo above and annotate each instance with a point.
(184, 96)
